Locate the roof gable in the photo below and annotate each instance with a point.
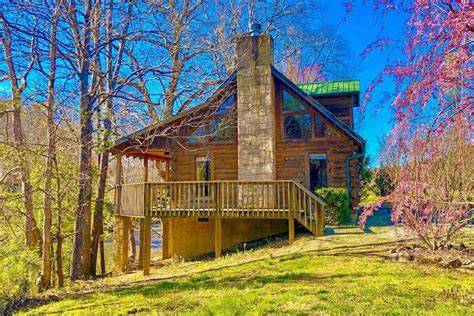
(319, 107)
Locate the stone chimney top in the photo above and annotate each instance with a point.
(255, 29)
(255, 49)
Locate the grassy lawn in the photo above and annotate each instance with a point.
(342, 273)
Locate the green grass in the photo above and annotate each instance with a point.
(338, 274)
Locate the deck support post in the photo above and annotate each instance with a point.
(320, 221)
(218, 237)
(142, 240)
(121, 238)
(146, 245)
(218, 222)
(291, 230)
(167, 238)
(122, 224)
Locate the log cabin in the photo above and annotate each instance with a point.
(241, 166)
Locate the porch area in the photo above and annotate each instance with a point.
(223, 205)
(211, 201)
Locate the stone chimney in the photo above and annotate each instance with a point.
(256, 110)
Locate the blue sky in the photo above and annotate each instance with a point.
(362, 27)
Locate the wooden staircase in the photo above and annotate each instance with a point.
(309, 209)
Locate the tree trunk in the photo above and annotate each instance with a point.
(32, 232)
(170, 94)
(59, 257)
(59, 236)
(80, 264)
(98, 225)
(102, 257)
(110, 84)
(45, 276)
(81, 252)
(99, 211)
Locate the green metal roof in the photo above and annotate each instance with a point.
(330, 87)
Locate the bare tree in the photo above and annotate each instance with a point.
(81, 29)
(44, 281)
(18, 84)
(114, 60)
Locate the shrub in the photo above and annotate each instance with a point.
(19, 270)
(337, 208)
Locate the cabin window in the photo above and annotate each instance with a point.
(318, 171)
(298, 126)
(299, 123)
(222, 130)
(203, 173)
(220, 127)
(203, 169)
(321, 129)
(290, 103)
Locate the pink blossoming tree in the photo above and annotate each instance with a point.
(429, 152)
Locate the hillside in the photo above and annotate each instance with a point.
(339, 273)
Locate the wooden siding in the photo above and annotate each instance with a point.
(291, 160)
(342, 107)
(223, 161)
(293, 164)
(291, 156)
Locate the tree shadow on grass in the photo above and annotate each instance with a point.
(286, 280)
(342, 230)
(234, 282)
(199, 279)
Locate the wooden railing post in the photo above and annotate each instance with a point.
(147, 225)
(142, 220)
(118, 182)
(291, 215)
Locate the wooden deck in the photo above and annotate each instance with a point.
(223, 199)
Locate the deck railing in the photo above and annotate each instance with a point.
(226, 199)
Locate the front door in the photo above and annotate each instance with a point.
(318, 171)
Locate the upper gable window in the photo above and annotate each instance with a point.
(290, 103)
(197, 136)
(220, 126)
(298, 126)
(299, 123)
(225, 108)
(321, 129)
(222, 130)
